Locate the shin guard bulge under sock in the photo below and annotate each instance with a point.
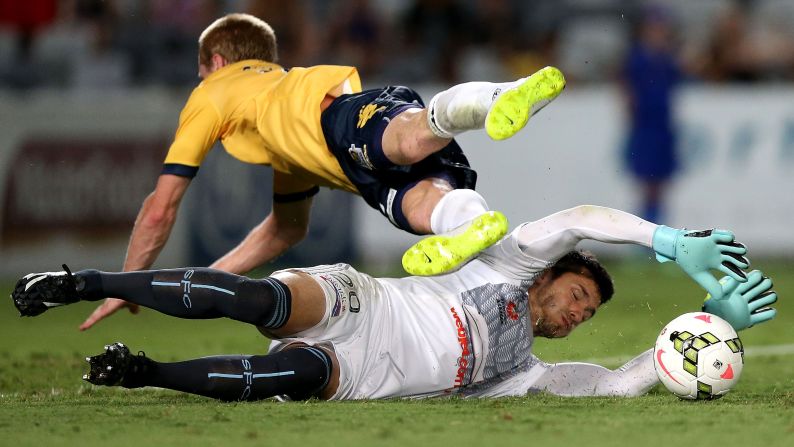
(197, 293)
(299, 373)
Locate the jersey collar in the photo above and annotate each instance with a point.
(238, 65)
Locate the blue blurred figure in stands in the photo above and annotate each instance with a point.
(649, 77)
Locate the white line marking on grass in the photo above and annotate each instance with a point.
(761, 351)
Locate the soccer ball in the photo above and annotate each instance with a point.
(698, 356)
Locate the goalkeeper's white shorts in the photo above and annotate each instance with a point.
(389, 342)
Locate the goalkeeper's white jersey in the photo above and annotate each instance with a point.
(428, 335)
(408, 336)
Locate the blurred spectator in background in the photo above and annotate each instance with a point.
(503, 45)
(730, 53)
(434, 35)
(171, 56)
(25, 19)
(650, 76)
(493, 31)
(355, 36)
(529, 55)
(106, 43)
(742, 48)
(100, 65)
(294, 24)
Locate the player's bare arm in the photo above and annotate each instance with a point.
(285, 226)
(152, 227)
(155, 221)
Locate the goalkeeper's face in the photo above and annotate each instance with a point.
(558, 305)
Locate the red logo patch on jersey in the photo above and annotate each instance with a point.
(511, 311)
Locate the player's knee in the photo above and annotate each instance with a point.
(402, 142)
(410, 150)
(420, 200)
(308, 304)
(318, 375)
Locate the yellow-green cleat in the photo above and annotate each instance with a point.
(442, 253)
(513, 108)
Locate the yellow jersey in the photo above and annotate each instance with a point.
(264, 114)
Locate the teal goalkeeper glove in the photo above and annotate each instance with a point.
(744, 304)
(697, 252)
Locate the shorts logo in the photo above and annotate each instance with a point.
(367, 112)
(359, 155)
(345, 300)
(352, 298)
(339, 303)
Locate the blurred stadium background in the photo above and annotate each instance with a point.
(90, 93)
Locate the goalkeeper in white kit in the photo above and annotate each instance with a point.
(342, 334)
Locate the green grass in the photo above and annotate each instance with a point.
(44, 402)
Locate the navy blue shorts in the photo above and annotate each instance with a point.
(353, 126)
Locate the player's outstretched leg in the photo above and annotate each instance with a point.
(502, 109)
(193, 293)
(299, 372)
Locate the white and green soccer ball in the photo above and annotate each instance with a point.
(698, 356)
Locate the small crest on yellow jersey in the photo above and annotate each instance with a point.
(367, 112)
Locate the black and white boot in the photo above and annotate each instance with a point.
(35, 293)
(117, 367)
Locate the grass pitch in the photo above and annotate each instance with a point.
(44, 402)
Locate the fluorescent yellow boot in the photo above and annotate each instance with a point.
(442, 253)
(513, 108)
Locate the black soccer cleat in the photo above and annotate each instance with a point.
(117, 367)
(37, 292)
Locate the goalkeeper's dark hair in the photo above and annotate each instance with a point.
(585, 263)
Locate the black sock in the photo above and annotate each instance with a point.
(299, 373)
(195, 293)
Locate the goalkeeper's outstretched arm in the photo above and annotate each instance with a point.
(696, 252)
(635, 378)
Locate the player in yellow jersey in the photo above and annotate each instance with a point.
(315, 127)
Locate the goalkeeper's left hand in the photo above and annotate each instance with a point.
(744, 304)
(697, 252)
